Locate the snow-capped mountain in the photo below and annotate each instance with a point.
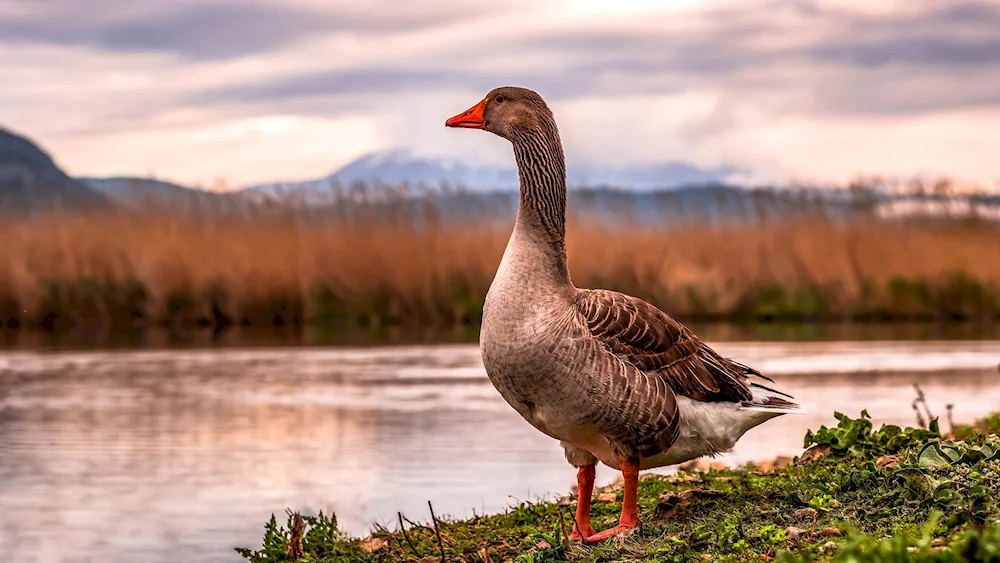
(399, 167)
(402, 166)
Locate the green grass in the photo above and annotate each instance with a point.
(892, 494)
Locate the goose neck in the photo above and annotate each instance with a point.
(541, 214)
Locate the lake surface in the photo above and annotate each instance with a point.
(183, 454)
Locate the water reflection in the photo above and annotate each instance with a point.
(175, 455)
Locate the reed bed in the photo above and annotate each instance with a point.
(373, 263)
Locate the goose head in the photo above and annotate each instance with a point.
(507, 111)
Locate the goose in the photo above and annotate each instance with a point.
(611, 377)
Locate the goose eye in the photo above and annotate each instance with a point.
(499, 99)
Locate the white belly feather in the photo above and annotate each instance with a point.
(707, 429)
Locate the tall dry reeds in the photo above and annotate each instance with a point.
(367, 263)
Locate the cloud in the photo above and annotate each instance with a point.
(787, 82)
(206, 30)
(849, 61)
(326, 83)
(817, 60)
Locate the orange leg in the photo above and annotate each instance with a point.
(630, 509)
(585, 490)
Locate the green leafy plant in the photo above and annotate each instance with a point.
(855, 436)
(322, 541)
(552, 547)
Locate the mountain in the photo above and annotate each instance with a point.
(401, 167)
(30, 180)
(138, 193)
(702, 204)
(392, 168)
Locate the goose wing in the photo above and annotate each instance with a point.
(647, 338)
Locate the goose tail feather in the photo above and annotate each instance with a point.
(767, 400)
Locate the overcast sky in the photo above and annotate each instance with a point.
(260, 90)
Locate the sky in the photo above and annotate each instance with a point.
(235, 92)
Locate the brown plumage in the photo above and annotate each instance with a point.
(649, 339)
(610, 376)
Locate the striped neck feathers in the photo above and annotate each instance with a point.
(541, 212)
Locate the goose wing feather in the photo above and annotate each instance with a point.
(642, 335)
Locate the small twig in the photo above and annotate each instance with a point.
(576, 526)
(407, 536)
(562, 527)
(923, 401)
(951, 421)
(389, 535)
(437, 530)
(382, 529)
(920, 417)
(414, 524)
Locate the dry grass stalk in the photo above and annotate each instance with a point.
(296, 530)
(408, 263)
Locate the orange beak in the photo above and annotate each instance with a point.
(471, 118)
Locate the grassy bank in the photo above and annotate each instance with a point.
(858, 494)
(288, 267)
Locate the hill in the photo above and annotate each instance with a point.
(139, 193)
(30, 180)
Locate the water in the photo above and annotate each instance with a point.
(181, 455)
